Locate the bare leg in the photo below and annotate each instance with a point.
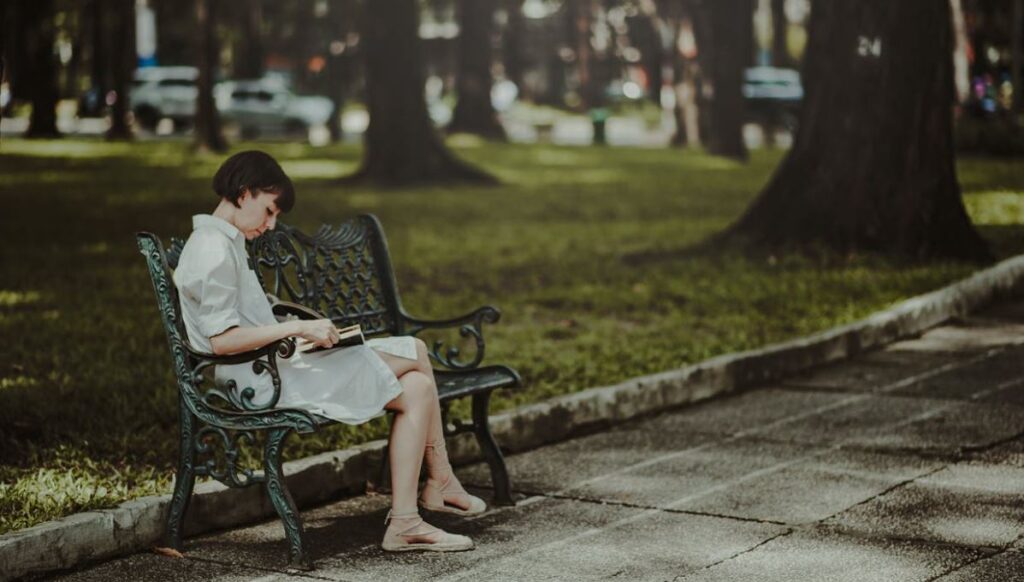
(417, 412)
(439, 469)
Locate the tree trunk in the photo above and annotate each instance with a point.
(1017, 54)
(40, 32)
(249, 53)
(401, 144)
(872, 165)
(780, 35)
(208, 134)
(961, 59)
(123, 63)
(732, 44)
(512, 44)
(686, 72)
(473, 110)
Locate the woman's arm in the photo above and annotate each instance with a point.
(238, 339)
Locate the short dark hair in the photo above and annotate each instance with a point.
(254, 170)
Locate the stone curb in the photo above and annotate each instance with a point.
(138, 524)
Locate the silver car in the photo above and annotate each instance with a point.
(164, 92)
(266, 107)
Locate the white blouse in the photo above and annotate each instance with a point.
(219, 291)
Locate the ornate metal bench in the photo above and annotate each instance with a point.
(345, 273)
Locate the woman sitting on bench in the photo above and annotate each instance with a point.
(226, 312)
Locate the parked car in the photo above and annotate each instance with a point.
(773, 95)
(159, 92)
(266, 107)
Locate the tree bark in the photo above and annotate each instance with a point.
(780, 35)
(473, 110)
(208, 133)
(732, 45)
(872, 165)
(512, 44)
(40, 33)
(1017, 54)
(401, 144)
(123, 63)
(249, 54)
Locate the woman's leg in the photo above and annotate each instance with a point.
(439, 469)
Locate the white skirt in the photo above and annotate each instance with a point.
(349, 385)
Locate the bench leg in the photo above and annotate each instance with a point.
(282, 499)
(489, 446)
(184, 479)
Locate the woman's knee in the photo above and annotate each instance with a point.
(418, 387)
(423, 357)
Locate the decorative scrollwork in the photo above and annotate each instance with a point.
(224, 469)
(470, 326)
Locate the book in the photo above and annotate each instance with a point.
(347, 337)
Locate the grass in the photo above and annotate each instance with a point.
(87, 403)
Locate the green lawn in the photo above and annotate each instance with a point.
(87, 404)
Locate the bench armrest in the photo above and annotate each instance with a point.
(469, 325)
(288, 309)
(263, 359)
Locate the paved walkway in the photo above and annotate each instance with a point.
(905, 464)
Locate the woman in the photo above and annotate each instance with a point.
(226, 312)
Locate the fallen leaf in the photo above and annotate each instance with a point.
(168, 552)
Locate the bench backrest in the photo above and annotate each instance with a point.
(344, 272)
(161, 274)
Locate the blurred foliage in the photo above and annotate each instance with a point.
(584, 250)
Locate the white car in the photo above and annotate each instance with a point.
(266, 107)
(164, 92)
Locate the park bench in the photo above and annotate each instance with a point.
(345, 273)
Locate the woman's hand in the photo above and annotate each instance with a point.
(322, 332)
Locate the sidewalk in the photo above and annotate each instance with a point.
(903, 464)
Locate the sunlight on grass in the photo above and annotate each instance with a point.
(316, 169)
(17, 382)
(553, 246)
(14, 298)
(65, 148)
(1000, 207)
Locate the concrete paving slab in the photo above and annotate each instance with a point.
(976, 378)
(863, 417)
(149, 567)
(965, 504)
(734, 415)
(561, 539)
(1009, 454)
(871, 371)
(680, 480)
(826, 556)
(953, 430)
(1002, 567)
(555, 467)
(842, 479)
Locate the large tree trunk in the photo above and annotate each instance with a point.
(1017, 54)
(473, 111)
(208, 134)
(249, 53)
(780, 35)
(872, 165)
(401, 143)
(686, 71)
(123, 63)
(42, 71)
(731, 50)
(512, 44)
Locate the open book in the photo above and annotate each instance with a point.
(347, 336)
